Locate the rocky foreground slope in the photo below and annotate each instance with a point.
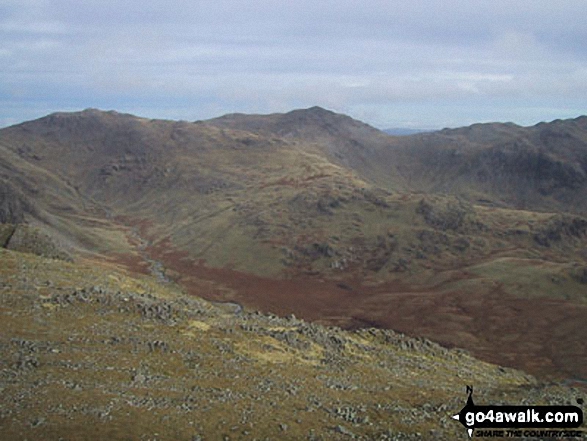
(87, 352)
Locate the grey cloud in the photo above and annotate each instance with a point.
(263, 55)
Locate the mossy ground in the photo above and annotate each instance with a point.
(90, 353)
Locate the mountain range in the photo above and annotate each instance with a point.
(400, 131)
(473, 237)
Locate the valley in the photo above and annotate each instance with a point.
(473, 237)
(455, 307)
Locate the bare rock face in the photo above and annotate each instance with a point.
(27, 239)
(562, 228)
(450, 214)
(13, 204)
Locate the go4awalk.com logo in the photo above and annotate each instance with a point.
(518, 421)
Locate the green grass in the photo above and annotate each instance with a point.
(529, 278)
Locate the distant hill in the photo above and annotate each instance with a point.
(543, 167)
(340, 138)
(314, 123)
(404, 132)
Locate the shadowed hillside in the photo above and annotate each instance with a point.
(543, 167)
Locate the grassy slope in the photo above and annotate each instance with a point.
(50, 202)
(88, 352)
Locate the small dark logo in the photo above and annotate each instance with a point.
(469, 407)
(517, 417)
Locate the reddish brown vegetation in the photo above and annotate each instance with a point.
(540, 336)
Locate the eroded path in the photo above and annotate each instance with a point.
(156, 267)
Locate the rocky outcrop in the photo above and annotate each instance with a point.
(13, 204)
(27, 239)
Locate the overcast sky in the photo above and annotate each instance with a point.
(394, 63)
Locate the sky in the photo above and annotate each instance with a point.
(414, 64)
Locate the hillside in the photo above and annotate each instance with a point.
(341, 139)
(474, 237)
(88, 352)
(543, 167)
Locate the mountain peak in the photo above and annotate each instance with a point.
(90, 111)
(93, 110)
(316, 110)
